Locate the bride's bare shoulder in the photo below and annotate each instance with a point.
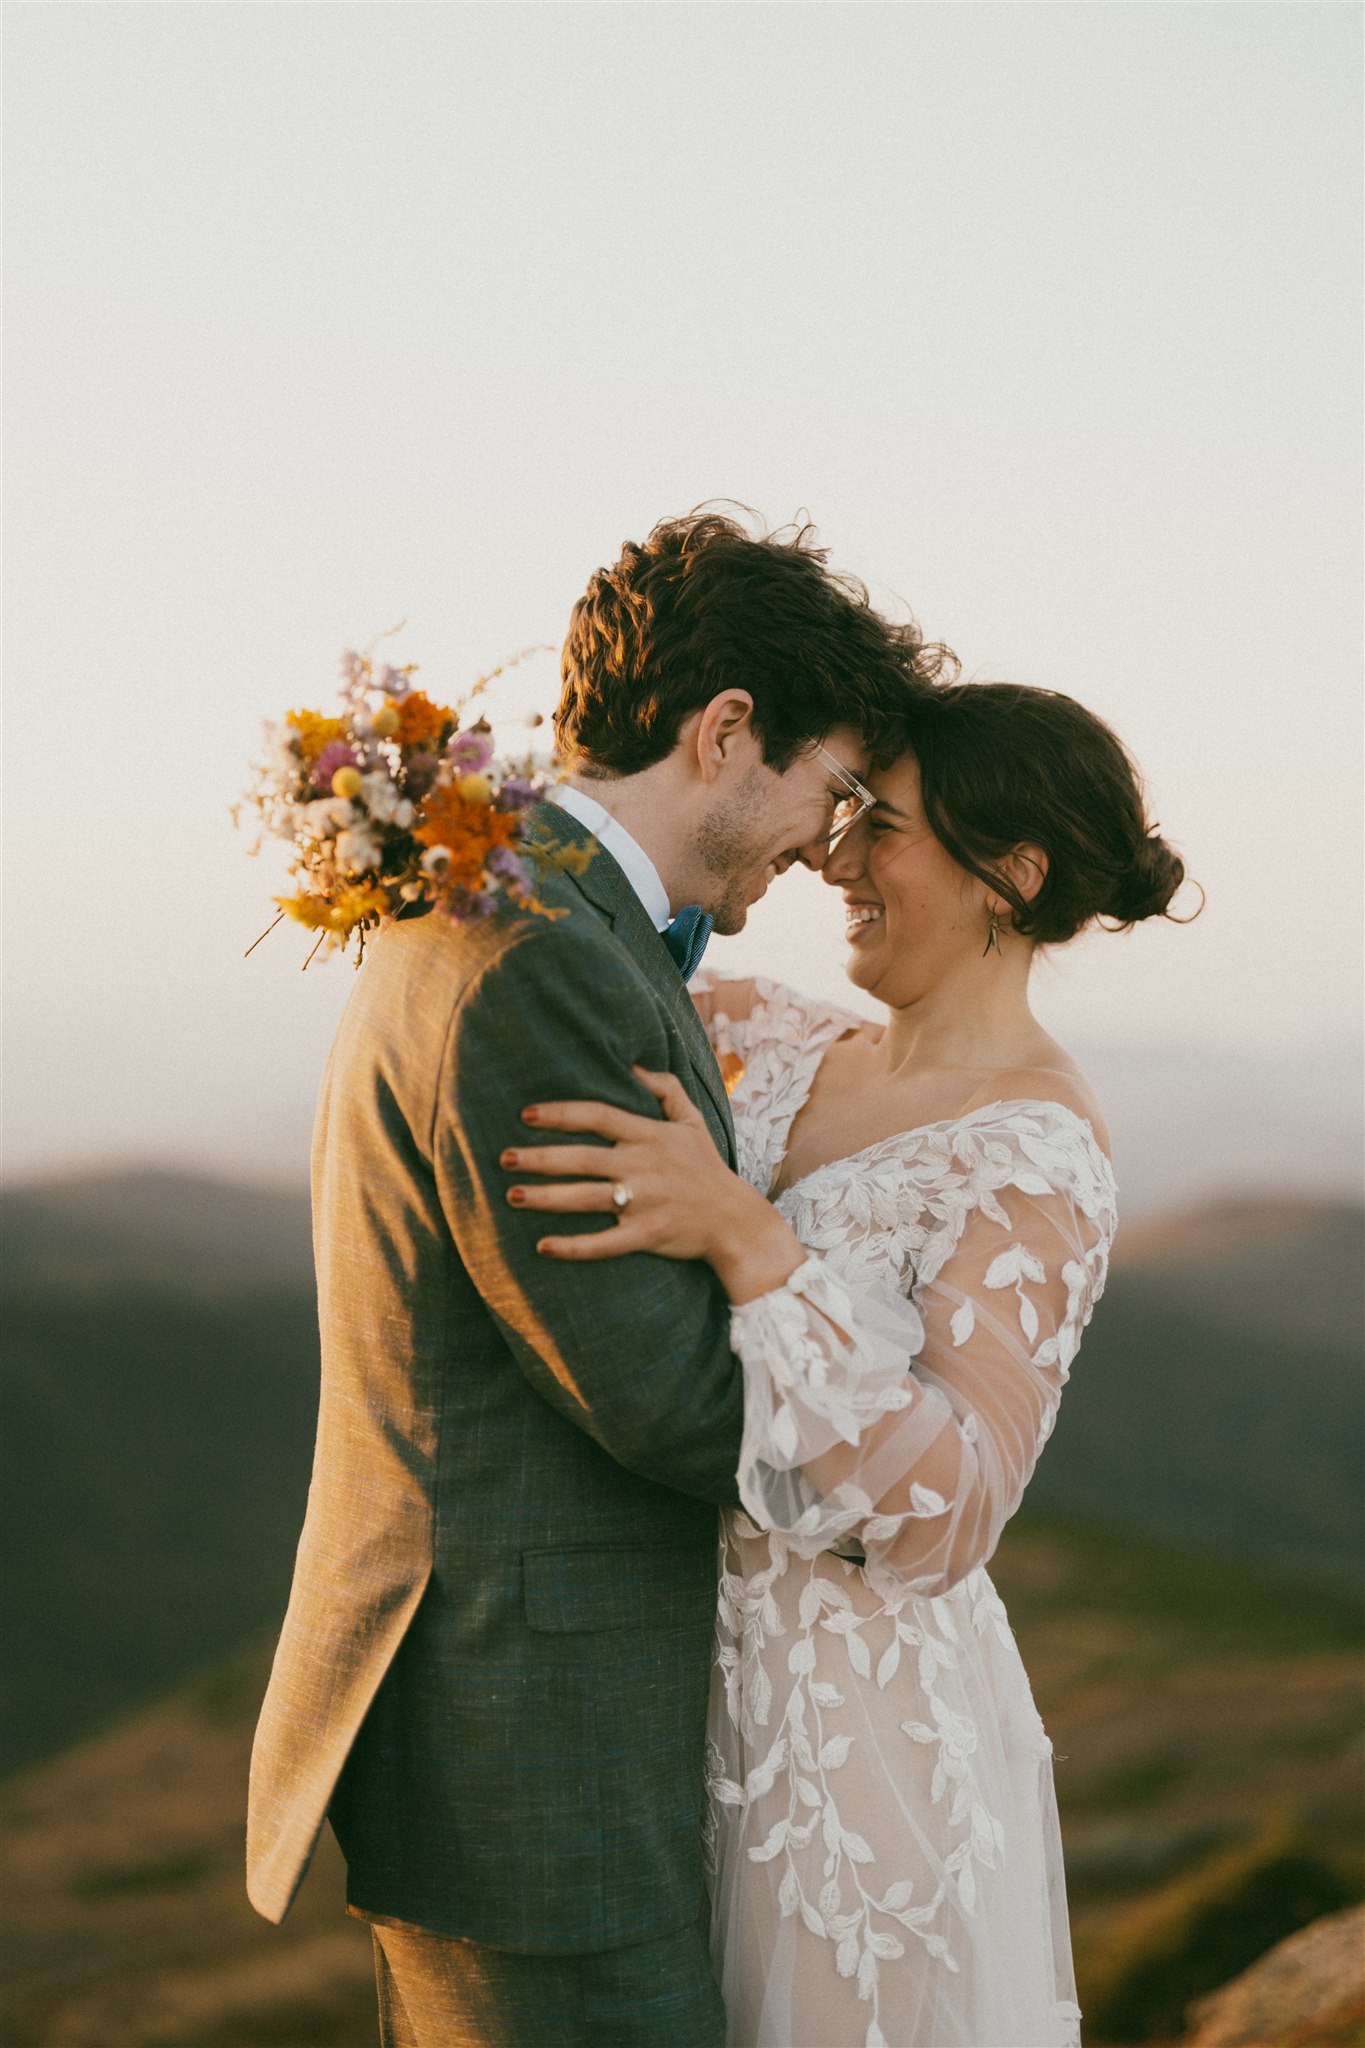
(1054, 1078)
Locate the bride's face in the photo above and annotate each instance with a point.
(914, 916)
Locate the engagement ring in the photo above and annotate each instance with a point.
(620, 1197)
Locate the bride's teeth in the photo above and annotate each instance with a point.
(859, 914)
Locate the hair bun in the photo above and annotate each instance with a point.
(1154, 874)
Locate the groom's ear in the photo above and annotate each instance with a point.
(722, 727)
(1026, 867)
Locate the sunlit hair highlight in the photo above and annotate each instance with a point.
(702, 606)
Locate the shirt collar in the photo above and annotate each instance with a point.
(634, 863)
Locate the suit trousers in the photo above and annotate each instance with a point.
(435, 1992)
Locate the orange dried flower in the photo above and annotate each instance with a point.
(731, 1070)
(420, 722)
(468, 831)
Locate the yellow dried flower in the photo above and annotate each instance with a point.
(340, 915)
(315, 732)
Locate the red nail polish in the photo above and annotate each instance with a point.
(530, 1116)
(508, 1158)
(517, 1197)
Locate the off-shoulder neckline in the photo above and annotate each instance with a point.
(772, 989)
(944, 1123)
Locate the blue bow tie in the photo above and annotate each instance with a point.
(686, 938)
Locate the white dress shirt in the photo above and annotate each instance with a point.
(634, 863)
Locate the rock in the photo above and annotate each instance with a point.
(1309, 1992)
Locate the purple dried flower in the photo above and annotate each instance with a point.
(504, 863)
(517, 794)
(471, 751)
(336, 754)
(465, 906)
(393, 682)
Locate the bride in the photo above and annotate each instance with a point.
(918, 1239)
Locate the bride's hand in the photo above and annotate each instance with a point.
(668, 1188)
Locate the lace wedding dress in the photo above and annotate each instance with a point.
(887, 1858)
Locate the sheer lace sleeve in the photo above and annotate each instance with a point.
(768, 1040)
(725, 999)
(740, 1014)
(913, 1424)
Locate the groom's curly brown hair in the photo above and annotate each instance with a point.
(700, 607)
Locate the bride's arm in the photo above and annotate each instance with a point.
(915, 1425)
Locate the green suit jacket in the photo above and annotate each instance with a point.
(494, 1667)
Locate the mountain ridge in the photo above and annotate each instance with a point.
(161, 1374)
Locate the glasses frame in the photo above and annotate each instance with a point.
(846, 779)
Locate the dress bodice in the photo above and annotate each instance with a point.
(894, 1209)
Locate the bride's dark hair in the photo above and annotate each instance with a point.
(1003, 765)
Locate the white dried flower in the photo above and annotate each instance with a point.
(326, 815)
(379, 794)
(357, 850)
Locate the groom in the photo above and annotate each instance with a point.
(493, 1673)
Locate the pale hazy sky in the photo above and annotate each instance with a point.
(325, 316)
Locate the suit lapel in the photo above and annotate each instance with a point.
(604, 886)
(647, 946)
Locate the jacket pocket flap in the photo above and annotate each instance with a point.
(572, 1590)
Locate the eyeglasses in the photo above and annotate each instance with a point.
(850, 808)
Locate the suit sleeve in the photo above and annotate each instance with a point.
(634, 1351)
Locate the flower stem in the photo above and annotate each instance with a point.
(264, 935)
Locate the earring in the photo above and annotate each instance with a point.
(993, 933)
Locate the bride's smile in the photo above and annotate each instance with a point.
(859, 916)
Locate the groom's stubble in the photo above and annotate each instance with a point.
(731, 846)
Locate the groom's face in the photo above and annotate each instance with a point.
(759, 828)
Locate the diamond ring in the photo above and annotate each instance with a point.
(621, 1198)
